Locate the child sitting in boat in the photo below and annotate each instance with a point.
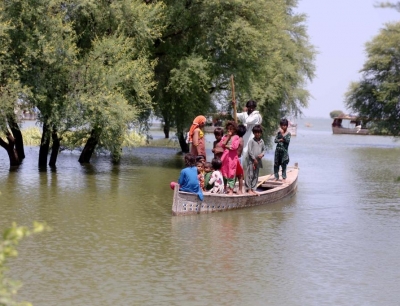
(200, 173)
(188, 180)
(216, 177)
(208, 170)
(256, 150)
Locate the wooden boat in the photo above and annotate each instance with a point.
(186, 203)
(348, 125)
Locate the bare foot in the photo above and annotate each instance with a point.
(239, 192)
(252, 192)
(230, 192)
(276, 180)
(284, 181)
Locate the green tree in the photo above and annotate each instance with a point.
(86, 65)
(112, 85)
(41, 43)
(10, 91)
(336, 113)
(263, 43)
(376, 96)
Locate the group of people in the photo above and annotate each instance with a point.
(238, 153)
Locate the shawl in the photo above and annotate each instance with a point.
(196, 122)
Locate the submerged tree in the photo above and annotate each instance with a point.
(112, 84)
(10, 91)
(41, 45)
(86, 65)
(377, 95)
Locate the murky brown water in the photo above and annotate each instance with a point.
(114, 241)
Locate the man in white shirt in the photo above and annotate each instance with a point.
(249, 117)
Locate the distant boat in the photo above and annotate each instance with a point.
(308, 124)
(348, 125)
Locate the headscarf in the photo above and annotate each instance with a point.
(196, 122)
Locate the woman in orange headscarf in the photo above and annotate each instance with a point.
(196, 137)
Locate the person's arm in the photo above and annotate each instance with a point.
(181, 179)
(240, 147)
(240, 116)
(278, 137)
(225, 140)
(286, 139)
(213, 178)
(235, 142)
(254, 118)
(252, 155)
(195, 138)
(251, 150)
(261, 155)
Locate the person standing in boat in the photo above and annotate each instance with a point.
(256, 151)
(249, 118)
(196, 137)
(282, 141)
(217, 146)
(188, 180)
(230, 144)
(241, 130)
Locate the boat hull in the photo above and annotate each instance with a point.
(185, 203)
(339, 130)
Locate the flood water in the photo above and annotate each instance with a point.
(114, 241)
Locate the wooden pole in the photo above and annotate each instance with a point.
(233, 99)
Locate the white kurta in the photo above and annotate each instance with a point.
(249, 121)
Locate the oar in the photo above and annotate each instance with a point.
(263, 181)
(233, 99)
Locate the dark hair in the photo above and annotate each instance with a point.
(207, 164)
(257, 129)
(284, 121)
(231, 123)
(251, 103)
(190, 160)
(200, 157)
(199, 163)
(241, 130)
(218, 131)
(216, 163)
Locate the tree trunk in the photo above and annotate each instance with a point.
(44, 146)
(89, 147)
(54, 149)
(11, 151)
(19, 142)
(182, 142)
(166, 129)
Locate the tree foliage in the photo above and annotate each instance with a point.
(336, 113)
(263, 43)
(85, 63)
(376, 95)
(97, 66)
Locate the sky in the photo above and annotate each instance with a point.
(339, 30)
